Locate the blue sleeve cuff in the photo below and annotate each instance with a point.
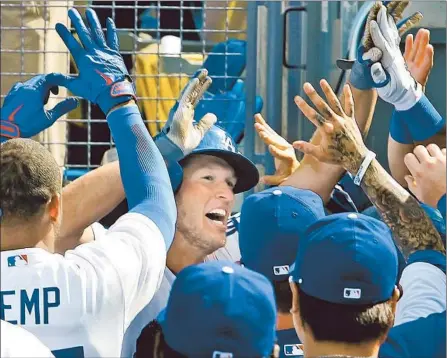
(442, 205)
(399, 130)
(423, 120)
(431, 257)
(168, 149)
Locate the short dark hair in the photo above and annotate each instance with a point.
(151, 343)
(283, 295)
(29, 178)
(345, 323)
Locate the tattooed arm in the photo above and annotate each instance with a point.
(342, 144)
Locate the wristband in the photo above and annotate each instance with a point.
(399, 130)
(364, 167)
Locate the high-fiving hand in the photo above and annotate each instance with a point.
(428, 173)
(181, 135)
(341, 140)
(419, 56)
(282, 151)
(23, 113)
(103, 77)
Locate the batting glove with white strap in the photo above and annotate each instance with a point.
(402, 91)
(181, 135)
(23, 113)
(103, 77)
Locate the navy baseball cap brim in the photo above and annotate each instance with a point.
(347, 259)
(271, 225)
(245, 171)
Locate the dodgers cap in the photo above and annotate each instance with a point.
(348, 259)
(220, 309)
(272, 222)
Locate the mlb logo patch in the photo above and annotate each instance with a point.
(293, 350)
(17, 260)
(352, 293)
(281, 270)
(217, 354)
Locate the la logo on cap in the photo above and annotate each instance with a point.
(217, 354)
(352, 293)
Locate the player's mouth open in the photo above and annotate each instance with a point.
(217, 216)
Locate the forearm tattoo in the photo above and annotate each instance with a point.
(411, 227)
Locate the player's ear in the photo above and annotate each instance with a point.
(395, 298)
(54, 207)
(295, 295)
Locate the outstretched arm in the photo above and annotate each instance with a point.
(342, 144)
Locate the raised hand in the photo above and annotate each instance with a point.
(341, 140)
(401, 90)
(181, 135)
(23, 113)
(281, 150)
(419, 56)
(368, 53)
(428, 173)
(103, 77)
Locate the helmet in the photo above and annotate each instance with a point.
(219, 143)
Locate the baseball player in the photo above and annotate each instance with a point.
(80, 304)
(18, 342)
(343, 301)
(272, 223)
(216, 309)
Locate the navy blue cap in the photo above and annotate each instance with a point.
(347, 258)
(220, 309)
(219, 143)
(272, 222)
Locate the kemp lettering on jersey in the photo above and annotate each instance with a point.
(34, 305)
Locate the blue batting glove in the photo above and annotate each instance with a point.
(229, 108)
(103, 77)
(23, 113)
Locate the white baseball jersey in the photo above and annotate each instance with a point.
(424, 287)
(230, 252)
(18, 342)
(81, 304)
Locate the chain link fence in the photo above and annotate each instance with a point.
(163, 43)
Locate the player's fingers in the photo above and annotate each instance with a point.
(112, 37)
(411, 183)
(262, 122)
(348, 101)
(95, 28)
(321, 105)
(308, 148)
(421, 153)
(434, 150)
(424, 39)
(408, 47)
(187, 92)
(81, 29)
(412, 164)
(332, 99)
(200, 90)
(279, 153)
(72, 44)
(429, 56)
(67, 105)
(310, 113)
(408, 23)
(267, 138)
(206, 123)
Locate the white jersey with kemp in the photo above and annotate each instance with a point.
(81, 304)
